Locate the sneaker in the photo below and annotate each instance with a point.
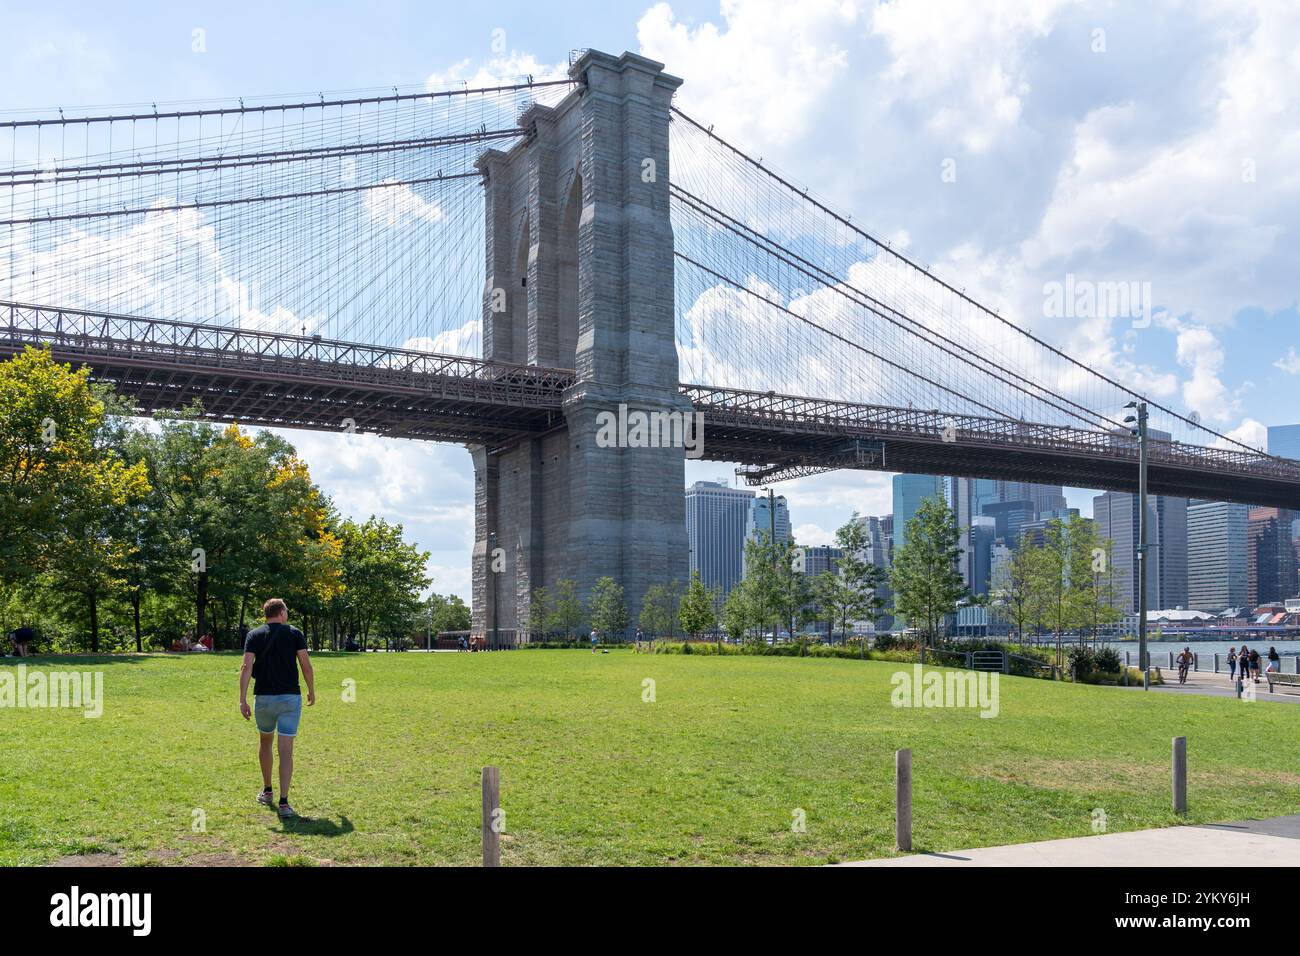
(266, 798)
(287, 812)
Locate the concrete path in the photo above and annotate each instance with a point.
(1274, 842)
(1209, 684)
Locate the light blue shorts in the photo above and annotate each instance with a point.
(278, 713)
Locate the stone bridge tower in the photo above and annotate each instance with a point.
(580, 276)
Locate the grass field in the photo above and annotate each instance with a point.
(709, 773)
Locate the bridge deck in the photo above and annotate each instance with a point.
(272, 379)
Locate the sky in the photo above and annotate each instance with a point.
(1008, 143)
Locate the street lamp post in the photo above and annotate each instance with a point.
(1141, 421)
(492, 548)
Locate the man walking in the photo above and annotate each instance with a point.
(272, 655)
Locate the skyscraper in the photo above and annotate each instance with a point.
(819, 558)
(1046, 499)
(909, 492)
(715, 532)
(879, 534)
(1270, 557)
(1116, 514)
(764, 518)
(1284, 440)
(1216, 555)
(1010, 518)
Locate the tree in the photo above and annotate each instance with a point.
(698, 612)
(1016, 595)
(738, 615)
(540, 612)
(57, 463)
(608, 612)
(656, 617)
(793, 593)
(851, 593)
(776, 588)
(382, 579)
(927, 586)
(65, 487)
(1103, 603)
(567, 614)
(447, 613)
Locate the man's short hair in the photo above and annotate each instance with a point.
(274, 608)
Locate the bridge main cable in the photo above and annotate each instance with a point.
(893, 316)
(803, 195)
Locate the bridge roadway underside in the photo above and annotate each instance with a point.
(496, 408)
(974, 458)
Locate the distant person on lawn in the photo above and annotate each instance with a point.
(272, 655)
(22, 638)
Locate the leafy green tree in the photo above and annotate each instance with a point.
(446, 612)
(57, 468)
(567, 613)
(852, 592)
(777, 590)
(738, 613)
(698, 612)
(86, 563)
(1017, 597)
(608, 610)
(540, 612)
(656, 617)
(927, 586)
(381, 581)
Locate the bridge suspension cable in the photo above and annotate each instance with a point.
(765, 230)
(347, 216)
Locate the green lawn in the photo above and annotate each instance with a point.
(710, 773)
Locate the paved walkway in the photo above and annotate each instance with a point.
(1209, 684)
(1274, 842)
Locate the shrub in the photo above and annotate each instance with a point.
(1107, 659)
(1080, 661)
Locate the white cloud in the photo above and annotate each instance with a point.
(963, 62)
(812, 536)
(396, 204)
(504, 70)
(427, 488)
(1289, 363)
(1250, 432)
(465, 340)
(765, 72)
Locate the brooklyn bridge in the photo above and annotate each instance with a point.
(496, 267)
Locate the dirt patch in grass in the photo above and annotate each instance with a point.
(1085, 775)
(90, 859)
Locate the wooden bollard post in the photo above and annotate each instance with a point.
(903, 799)
(491, 828)
(1180, 775)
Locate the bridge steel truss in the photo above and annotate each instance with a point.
(801, 434)
(294, 381)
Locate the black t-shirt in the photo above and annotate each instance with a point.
(24, 635)
(275, 667)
